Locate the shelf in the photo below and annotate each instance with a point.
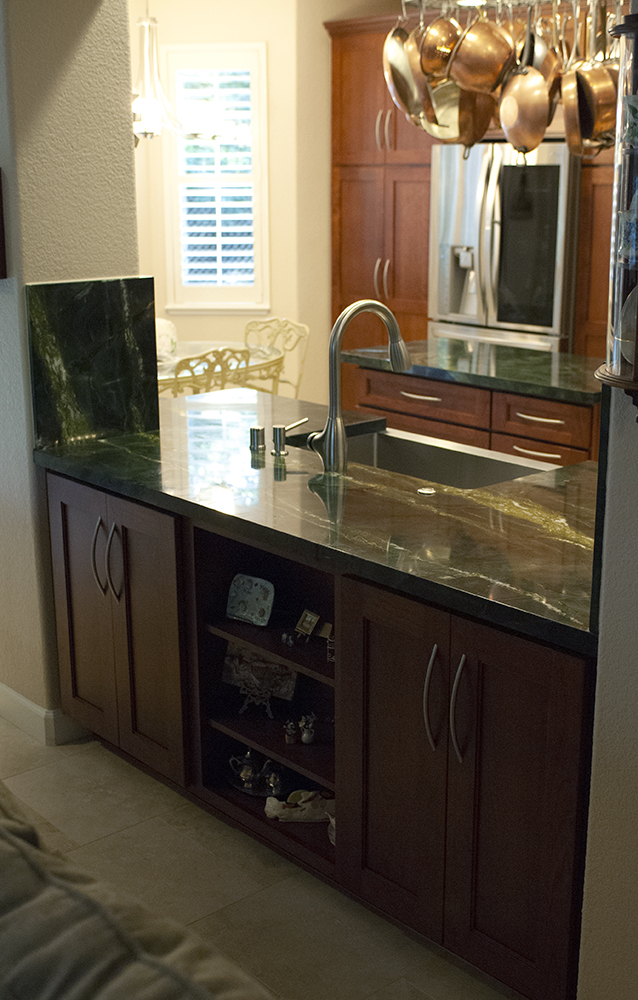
(308, 841)
(312, 760)
(308, 658)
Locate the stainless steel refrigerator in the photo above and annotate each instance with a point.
(503, 232)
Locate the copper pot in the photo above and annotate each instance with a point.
(482, 57)
(463, 116)
(596, 91)
(413, 52)
(524, 103)
(569, 94)
(439, 40)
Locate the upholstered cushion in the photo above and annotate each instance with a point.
(67, 936)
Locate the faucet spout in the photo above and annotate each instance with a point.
(331, 442)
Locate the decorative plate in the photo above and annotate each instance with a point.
(250, 599)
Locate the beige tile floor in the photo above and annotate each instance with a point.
(301, 938)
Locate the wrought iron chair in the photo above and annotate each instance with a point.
(292, 339)
(217, 368)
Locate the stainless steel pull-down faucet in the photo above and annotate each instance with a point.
(331, 442)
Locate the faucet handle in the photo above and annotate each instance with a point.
(279, 435)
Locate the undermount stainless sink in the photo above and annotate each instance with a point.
(437, 461)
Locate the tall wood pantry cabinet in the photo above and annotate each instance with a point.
(115, 579)
(459, 810)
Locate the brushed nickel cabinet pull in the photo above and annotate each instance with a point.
(101, 587)
(386, 268)
(377, 129)
(535, 454)
(426, 691)
(539, 420)
(375, 278)
(426, 399)
(107, 563)
(455, 688)
(386, 130)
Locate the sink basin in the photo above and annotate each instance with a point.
(437, 461)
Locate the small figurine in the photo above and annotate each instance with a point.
(307, 726)
(290, 730)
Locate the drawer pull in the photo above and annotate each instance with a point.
(427, 399)
(426, 691)
(540, 420)
(535, 454)
(377, 129)
(455, 688)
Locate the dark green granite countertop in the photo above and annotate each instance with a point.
(565, 377)
(517, 555)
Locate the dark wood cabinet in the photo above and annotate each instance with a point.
(457, 753)
(470, 759)
(117, 610)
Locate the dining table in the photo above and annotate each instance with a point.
(265, 363)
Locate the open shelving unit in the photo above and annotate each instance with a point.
(229, 725)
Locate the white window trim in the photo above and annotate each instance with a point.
(175, 57)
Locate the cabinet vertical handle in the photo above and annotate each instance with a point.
(455, 688)
(426, 692)
(375, 278)
(107, 563)
(102, 587)
(377, 129)
(386, 268)
(386, 130)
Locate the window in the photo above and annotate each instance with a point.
(216, 189)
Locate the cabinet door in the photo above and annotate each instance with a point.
(513, 808)
(359, 99)
(391, 791)
(79, 528)
(406, 208)
(142, 573)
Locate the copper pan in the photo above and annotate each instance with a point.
(463, 116)
(569, 94)
(596, 91)
(413, 52)
(439, 40)
(524, 102)
(482, 56)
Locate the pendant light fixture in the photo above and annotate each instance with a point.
(151, 109)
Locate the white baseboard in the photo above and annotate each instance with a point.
(46, 725)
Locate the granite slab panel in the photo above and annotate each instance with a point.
(518, 554)
(93, 358)
(568, 378)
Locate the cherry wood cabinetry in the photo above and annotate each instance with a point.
(460, 805)
(592, 274)
(117, 610)
(547, 429)
(380, 189)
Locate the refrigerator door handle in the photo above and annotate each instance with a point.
(481, 274)
(492, 237)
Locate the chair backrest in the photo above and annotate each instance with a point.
(214, 369)
(291, 338)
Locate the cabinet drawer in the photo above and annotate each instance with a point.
(432, 428)
(544, 451)
(458, 404)
(542, 419)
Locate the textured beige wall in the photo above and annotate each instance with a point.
(67, 165)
